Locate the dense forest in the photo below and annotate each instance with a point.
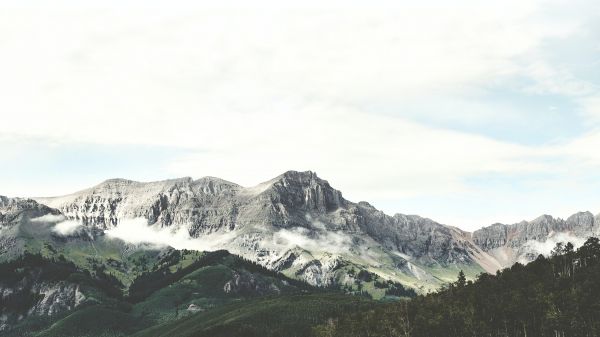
(555, 296)
(558, 296)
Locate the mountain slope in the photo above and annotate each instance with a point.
(291, 316)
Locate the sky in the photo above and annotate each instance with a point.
(466, 112)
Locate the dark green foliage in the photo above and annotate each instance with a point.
(290, 316)
(19, 302)
(462, 280)
(23, 274)
(364, 276)
(149, 282)
(94, 320)
(559, 296)
(397, 289)
(556, 296)
(32, 268)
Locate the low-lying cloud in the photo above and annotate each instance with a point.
(52, 218)
(67, 228)
(330, 242)
(137, 231)
(546, 247)
(62, 226)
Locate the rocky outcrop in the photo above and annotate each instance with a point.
(32, 294)
(56, 298)
(245, 283)
(417, 237)
(12, 210)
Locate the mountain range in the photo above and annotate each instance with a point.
(120, 236)
(297, 223)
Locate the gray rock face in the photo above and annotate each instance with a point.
(56, 298)
(12, 209)
(13, 213)
(245, 283)
(51, 297)
(581, 224)
(520, 242)
(416, 236)
(491, 237)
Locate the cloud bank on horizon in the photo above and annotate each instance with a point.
(465, 112)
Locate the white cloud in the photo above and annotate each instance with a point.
(324, 242)
(546, 247)
(254, 92)
(138, 231)
(49, 218)
(212, 71)
(67, 228)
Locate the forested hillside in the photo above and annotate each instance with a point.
(555, 296)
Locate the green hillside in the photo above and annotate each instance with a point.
(291, 316)
(178, 285)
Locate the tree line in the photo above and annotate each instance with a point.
(555, 296)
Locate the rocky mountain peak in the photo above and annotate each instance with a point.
(307, 191)
(4, 201)
(583, 219)
(543, 219)
(213, 185)
(299, 176)
(117, 182)
(12, 209)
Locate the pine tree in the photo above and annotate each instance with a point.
(462, 280)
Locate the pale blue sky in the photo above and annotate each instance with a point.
(468, 113)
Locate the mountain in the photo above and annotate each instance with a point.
(295, 223)
(16, 226)
(298, 224)
(128, 257)
(83, 283)
(524, 241)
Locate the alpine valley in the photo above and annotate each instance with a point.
(209, 257)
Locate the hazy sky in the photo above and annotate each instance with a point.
(467, 112)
